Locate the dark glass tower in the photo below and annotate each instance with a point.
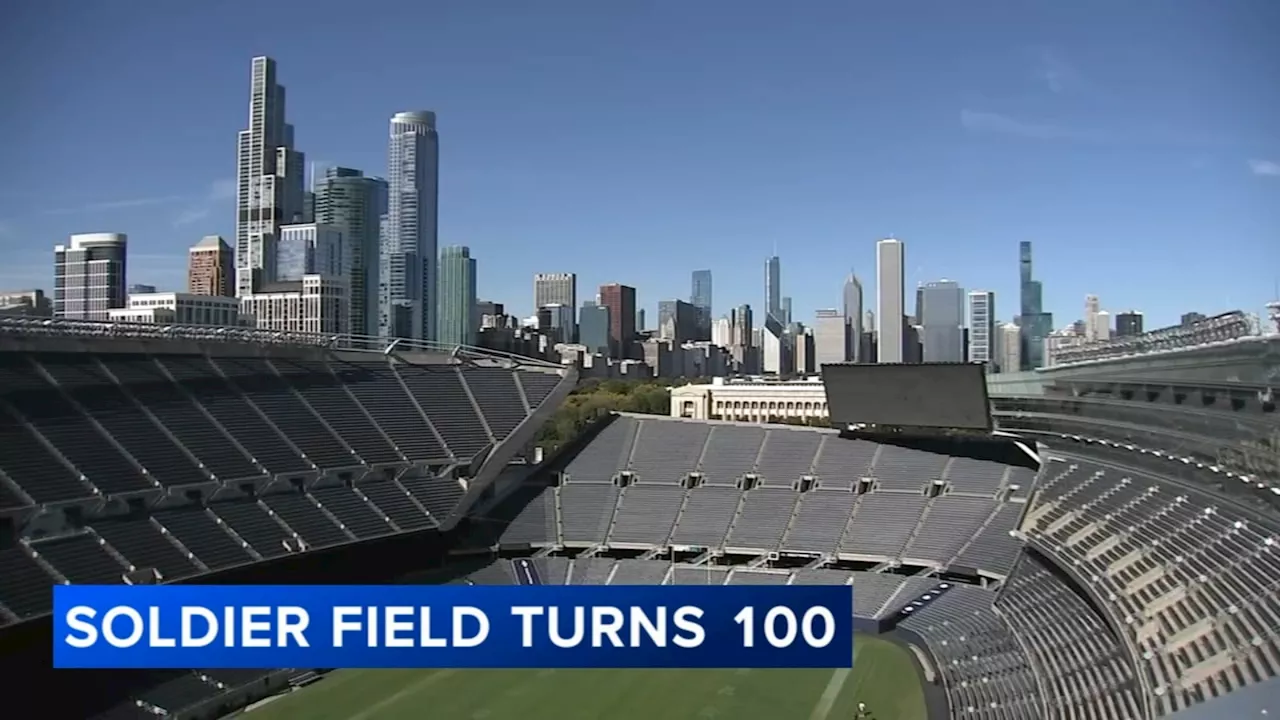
(1035, 322)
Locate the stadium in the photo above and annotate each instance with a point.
(1095, 540)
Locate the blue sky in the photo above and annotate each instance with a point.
(1136, 143)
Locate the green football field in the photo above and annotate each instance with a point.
(883, 677)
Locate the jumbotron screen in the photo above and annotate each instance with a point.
(932, 395)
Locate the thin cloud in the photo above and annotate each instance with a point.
(191, 215)
(1264, 168)
(1058, 75)
(115, 205)
(985, 122)
(219, 192)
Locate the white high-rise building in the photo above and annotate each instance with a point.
(982, 326)
(722, 333)
(269, 179)
(890, 313)
(312, 304)
(1009, 347)
(1098, 328)
(1091, 318)
(89, 276)
(409, 262)
(830, 338)
(852, 311)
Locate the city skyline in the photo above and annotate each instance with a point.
(811, 242)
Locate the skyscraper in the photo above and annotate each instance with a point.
(678, 321)
(557, 288)
(1035, 324)
(269, 179)
(943, 322)
(457, 296)
(852, 310)
(593, 328)
(982, 327)
(310, 249)
(890, 314)
(785, 317)
(408, 261)
(1009, 347)
(773, 287)
(1128, 323)
(1091, 308)
(701, 299)
(354, 204)
(621, 301)
(211, 267)
(89, 276)
(830, 338)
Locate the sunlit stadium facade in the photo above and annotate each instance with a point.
(1113, 554)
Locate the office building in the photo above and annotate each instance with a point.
(774, 348)
(851, 308)
(173, 308)
(1191, 318)
(457, 296)
(211, 268)
(140, 289)
(593, 328)
(1008, 347)
(559, 289)
(1099, 330)
(354, 205)
(89, 276)
(1091, 308)
(640, 321)
(700, 297)
(942, 325)
(890, 313)
(556, 321)
(407, 273)
(679, 321)
(314, 304)
(269, 179)
(785, 318)
(1035, 323)
(773, 287)
(27, 303)
(1129, 323)
(621, 301)
(722, 332)
(309, 249)
(831, 342)
(982, 327)
(551, 288)
(740, 321)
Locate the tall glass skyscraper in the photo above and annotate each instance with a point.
(700, 297)
(353, 204)
(269, 179)
(408, 261)
(457, 295)
(310, 249)
(773, 287)
(943, 322)
(1034, 322)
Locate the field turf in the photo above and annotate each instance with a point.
(883, 677)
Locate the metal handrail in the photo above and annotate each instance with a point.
(86, 329)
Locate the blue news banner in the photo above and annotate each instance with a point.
(452, 626)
